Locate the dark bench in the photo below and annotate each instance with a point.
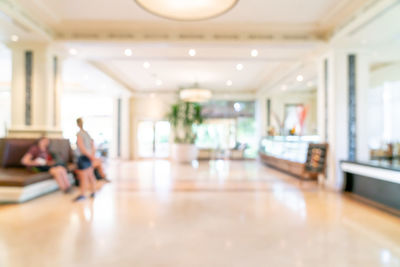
(17, 183)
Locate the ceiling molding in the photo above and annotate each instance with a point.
(134, 36)
(282, 73)
(22, 20)
(46, 11)
(338, 15)
(365, 15)
(233, 60)
(104, 69)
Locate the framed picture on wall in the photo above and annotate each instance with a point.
(292, 123)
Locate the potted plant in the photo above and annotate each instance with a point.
(182, 117)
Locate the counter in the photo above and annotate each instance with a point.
(288, 154)
(377, 181)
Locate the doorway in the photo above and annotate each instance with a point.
(153, 139)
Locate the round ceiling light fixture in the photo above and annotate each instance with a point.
(196, 95)
(187, 10)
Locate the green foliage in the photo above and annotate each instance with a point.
(183, 116)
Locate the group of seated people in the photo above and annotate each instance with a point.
(39, 159)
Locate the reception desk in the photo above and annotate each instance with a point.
(288, 154)
(375, 181)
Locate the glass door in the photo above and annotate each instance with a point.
(161, 144)
(153, 139)
(145, 135)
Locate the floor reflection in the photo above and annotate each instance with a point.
(209, 213)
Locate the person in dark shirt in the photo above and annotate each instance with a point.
(39, 159)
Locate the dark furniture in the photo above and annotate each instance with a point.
(375, 182)
(17, 183)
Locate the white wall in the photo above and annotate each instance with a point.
(384, 105)
(306, 98)
(5, 112)
(96, 111)
(5, 87)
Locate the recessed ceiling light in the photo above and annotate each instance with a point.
(299, 78)
(14, 38)
(229, 83)
(146, 65)
(254, 53)
(192, 52)
(159, 82)
(73, 51)
(239, 66)
(284, 87)
(128, 52)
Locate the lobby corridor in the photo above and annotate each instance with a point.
(212, 213)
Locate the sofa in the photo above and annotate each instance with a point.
(236, 153)
(17, 183)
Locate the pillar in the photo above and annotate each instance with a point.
(342, 94)
(261, 116)
(35, 91)
(121, 136)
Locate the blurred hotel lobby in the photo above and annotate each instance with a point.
(223, 133)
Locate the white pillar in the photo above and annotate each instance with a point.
(338, 110)
(125, 128)
(36, 70)
(363, 85)
(121, 129)
(337, 127)
(321, 98)
(261, 116)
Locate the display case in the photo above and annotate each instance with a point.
(287, 153)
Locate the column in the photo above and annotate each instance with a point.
(121, 146)
(261, 116)
(35, 91)
(343, 84)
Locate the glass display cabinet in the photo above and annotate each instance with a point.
(287, 153)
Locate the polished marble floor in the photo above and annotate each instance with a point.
(216, 213)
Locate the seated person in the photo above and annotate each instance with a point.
(39, 159)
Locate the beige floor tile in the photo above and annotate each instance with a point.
(216, 213)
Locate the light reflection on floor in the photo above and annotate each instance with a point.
(216, 213)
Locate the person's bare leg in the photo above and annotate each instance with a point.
(82, 177)
(56, 175)
(64, 174)
(92, 181)
(98, 165)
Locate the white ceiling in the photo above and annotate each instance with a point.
(213, 65)
(379, 36)
(287, 11)
(310, 15)
(81, 77)
(89, 26)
